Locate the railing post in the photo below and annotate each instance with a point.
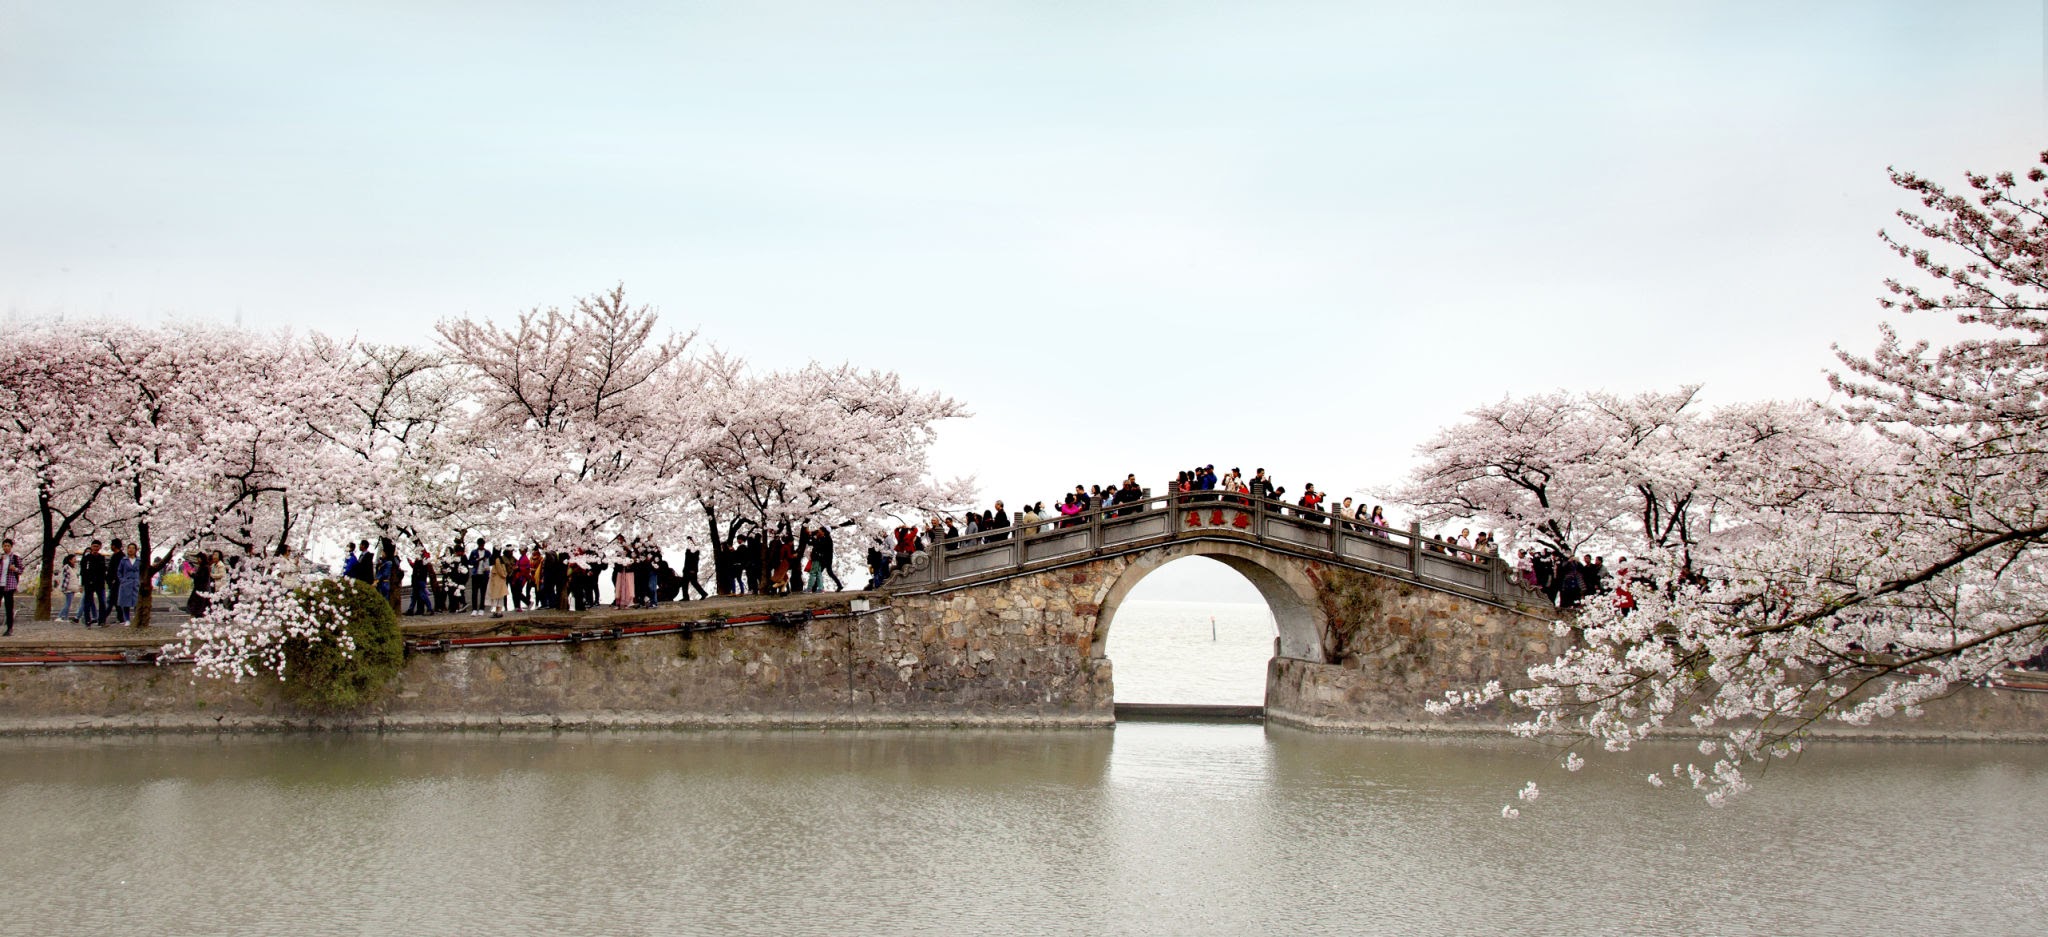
(1173, 512)
(1095, 529)
(938, 551)
(1415, 548)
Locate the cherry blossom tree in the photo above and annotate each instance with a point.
(1647, 473)
(401, 411)
(562, 402)
(837, 447)
(1534, 466)
(52, 394)
(567, 425)
(1879, 574)
(209, 435)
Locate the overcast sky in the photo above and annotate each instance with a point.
(1130, 236)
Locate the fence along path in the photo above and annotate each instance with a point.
(1117, 529)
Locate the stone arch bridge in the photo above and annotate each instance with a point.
(1009, 629)
(1372, 621)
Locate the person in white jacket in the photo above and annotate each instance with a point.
(67, 583)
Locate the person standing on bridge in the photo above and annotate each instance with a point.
(878, 562)
(1260, 486)
(390, 577)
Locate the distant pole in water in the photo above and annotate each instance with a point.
(1212, 628)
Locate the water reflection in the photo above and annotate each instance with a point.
(1185, 829)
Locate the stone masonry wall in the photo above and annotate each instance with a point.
(893, 666)
(1022, 651)
(1397, 645)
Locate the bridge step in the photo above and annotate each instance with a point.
(1189, 712)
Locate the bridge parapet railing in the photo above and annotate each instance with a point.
(1213, 514)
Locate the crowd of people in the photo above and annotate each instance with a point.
(101, 584)
(488, 580)
(1569, 580)
(1193, 486)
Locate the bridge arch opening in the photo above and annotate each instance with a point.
(1166, 651)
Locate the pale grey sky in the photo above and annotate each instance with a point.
(1131, 236)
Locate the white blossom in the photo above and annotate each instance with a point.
(253, 614)
(1788, 563)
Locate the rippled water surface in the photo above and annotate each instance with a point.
(1149, 829)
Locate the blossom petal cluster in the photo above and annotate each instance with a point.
(1795, 565)
(570, 427)
(253, 615)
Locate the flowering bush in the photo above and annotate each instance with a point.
(333, 643)
(253, 612)
(343, 667)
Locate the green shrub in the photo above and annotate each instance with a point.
(177, 584)
(319, 675)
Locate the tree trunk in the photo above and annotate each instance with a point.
(55, 528)
(284, 536)
(717, 552)
(144, 595)
(49, 553)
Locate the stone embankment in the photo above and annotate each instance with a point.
(1356, 653)
(841, 660)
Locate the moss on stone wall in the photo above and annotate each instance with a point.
(1355, 605)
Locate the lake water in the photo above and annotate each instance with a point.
(1190, 652)
(1150, 828)
(1147, 829)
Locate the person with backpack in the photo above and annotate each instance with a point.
(821, 562)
